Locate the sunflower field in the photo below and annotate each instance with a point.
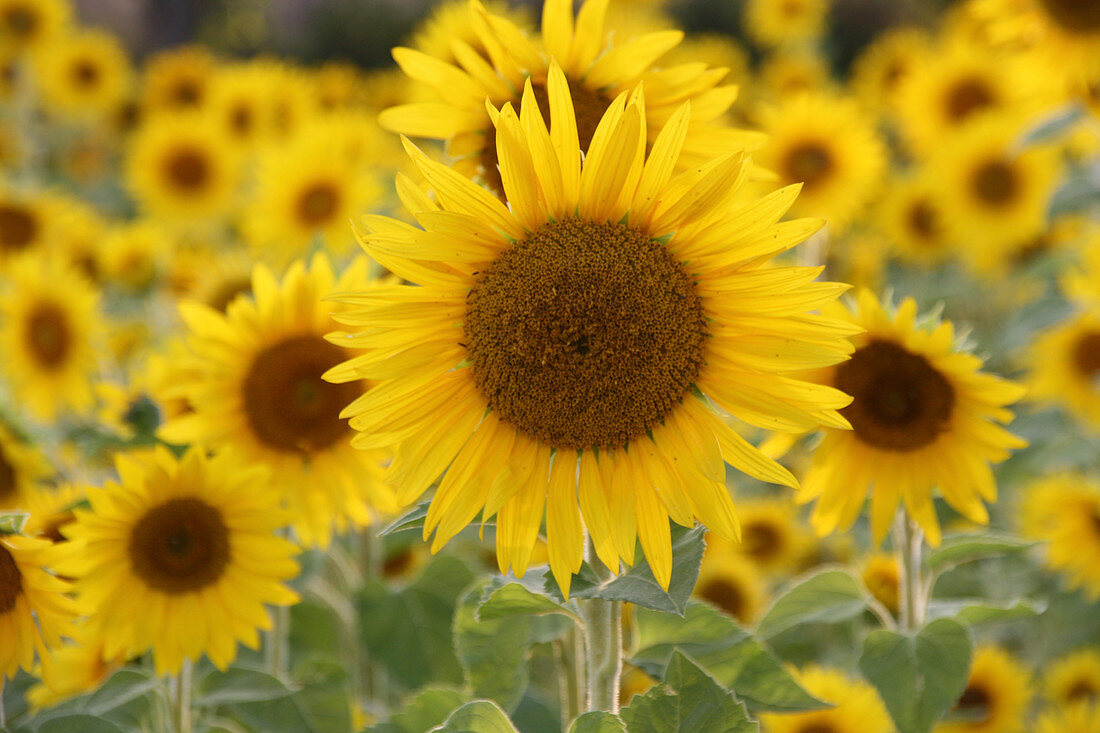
(610, 366)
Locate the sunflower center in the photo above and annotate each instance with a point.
(975, 701)
(1075, 16)
(85, 73)
(241, 119)
(726, 595)
(809, 162)
(318, 203)
(922, 219)
(180, 546)
(188, 169)
(186, 93)
(48, 336)
(817, 727)
(585, 334)
(11, 581)
(287, 404)
(398, 563)
(760, 540)
(1081, 690)
(967, 96)
(900, 402)
(588, 109)
(1086, 354)
(995, 182)
(18, 228)
(21, 21)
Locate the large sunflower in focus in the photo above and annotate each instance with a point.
(922, 416)
(596, 69)
(600, 318)
(253, 379)
(180, 557)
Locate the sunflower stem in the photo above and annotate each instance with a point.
(909, 540)
(181, 687)
(603, 634)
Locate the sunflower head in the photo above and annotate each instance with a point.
(27, 24)
(1074, 679)
(85, 74)
(996, 697)
(856, 706)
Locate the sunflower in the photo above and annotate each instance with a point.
(730, 582)
(338, 86)
(881, 577)
(996, 697)
(1065, 362)
(922, 416)
(224, 277)
(857, 707)
(597, 73)
(74, 669)
(452, 20)
(1077, 718)
(177, 80)
(831, 146)
(254, 380)
(84, 75)
(771, 537)
(1068, 31)
(22, 468)
(132, 255)
(25, 224)
(532, 342)
(781, 22)
(73, 228)
(179, 557)
(789, 74)
(51, 509)
(35, 609)
(912, 217)
(27, 24)
(884, 64)
(993, 195)
(239, 104)
(1064, 510)
(1074, 678)
(49, 336)
(183, 168)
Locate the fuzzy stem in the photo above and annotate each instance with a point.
(181, 688)
(909, 541)
(277, 644)
(603, 631)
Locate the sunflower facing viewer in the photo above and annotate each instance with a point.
(570, 329)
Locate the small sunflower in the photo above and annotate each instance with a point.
(881, 576)
(177, 80)
(179, 557)
(183, 167)
(74, 229)
(49, 335)
(884, 64)
(856, 706)
(1077, 718)
(27, 24)
(35, 609)
(25, 224)
(790, 74)
(239, 103)
(1074, 679)
(74, 669)
(22, 468)
(597, 72)
(253, 379)
(771, 537)
(1066, 30)
(830, 146)
(51, 509)
(912, 218)
(133, 255)
(730, 582)
(782, 22)
(1064, 510)
(922, 416)
(83, 75)
(1065, 367)
(996, 697)
(531, 343)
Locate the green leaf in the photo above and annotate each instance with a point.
(598, 722)
(725, 650)
(918, 677)
(423, 711)
(509, 596)
(313, 709)
(964, 548)
(412, 519)
(12, 522)
(479, 716)
(826, 596)
(493, 652)
(1053, 126)
(638, 585)
(81, 723)
(974, 611)
(120, 689)
(238, 685)
(689, 701)
(408, 631)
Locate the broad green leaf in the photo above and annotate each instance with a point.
(964, 548)
(638, 585)
(724, 650)
(479, 716)
(689, 701)
(12, 522)
(519, 597)
(825, 596)
(237, 685)
(492, 652)
(424, 710)
(598, 722)
(313, 709)
(121, 688)
(80, 723)
(408, 631)
(920, 676)
(974, 611)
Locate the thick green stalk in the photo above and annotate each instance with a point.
(603, 633)
(909, 541)
(181, 688)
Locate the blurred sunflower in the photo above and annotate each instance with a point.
(1064, 510)
(1078, 718)
(338, 86)
(75, 229)
(597, 72)
(857, 708)
(51, 509)
(1066, 30)
(24, 224)
(771, 537)
(49, 334)
(239, 102)
(830, 146)
(133, 255)
(730, 582)
(782, 22)
(884, 64)
(922, 416)
(177, 80)
(253, 378)
(180, 557)
(881, 576)
(790, 74)
(22, 467)
(912, 217)
(27, 24)
(35, 609)
(1065, 364)
(1074, 678)
(183, 168)
(74, 669)
(996, 697)
(532, 339)
(83, 75)
(224, 277)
